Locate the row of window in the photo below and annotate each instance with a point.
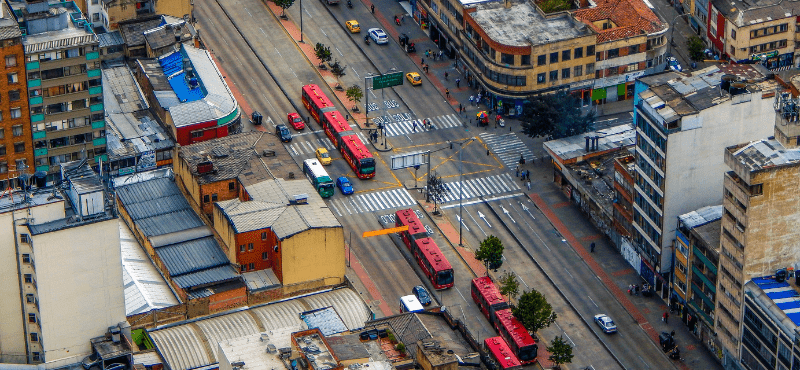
(577, 71)
(650, 151)
(67, 140)
(69, 157)
(131, 161)
(67, 123)
(72, 70)
(18, 148)
(775, 45)
(66, 106)
(648, 210)
(501, 78)
(16, 131)
(63, 89)
(565, 55)
(643, 184)
(617, 52)
(60, 54)
(648, 229)
(766, 31)
(20, 163)
(651, 132)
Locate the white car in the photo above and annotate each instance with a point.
(377, 35)
(605, 323)
(674, 64)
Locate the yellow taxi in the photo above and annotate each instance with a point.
(353, 26)
(414, 78)
(323, 156)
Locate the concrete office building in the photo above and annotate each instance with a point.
(54, 300)
(683, 124)
(65, 85)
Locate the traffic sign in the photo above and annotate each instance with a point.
(387, 80)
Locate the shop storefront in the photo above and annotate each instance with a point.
(441, 40)
(771, 60)
(420, 15)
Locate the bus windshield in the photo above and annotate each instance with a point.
(444, 277)
(527, 353)
(367, 165)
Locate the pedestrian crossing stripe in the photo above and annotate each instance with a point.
(309, 146)
(480, 187)
(507, 148)
(407, 127)
(372, 202)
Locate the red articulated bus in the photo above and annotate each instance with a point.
(517, 337)
(358, 156)
(335, 127)
(316, 102)
(488, 297)
(501, 354)
(407, 217)
(433, 263)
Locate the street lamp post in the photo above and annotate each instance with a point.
(301, 20)
(671, 31)
(461, 189)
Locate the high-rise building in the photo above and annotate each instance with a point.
(16, 147)
(64, 82)
(683, 124)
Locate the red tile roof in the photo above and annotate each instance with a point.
(632, 18)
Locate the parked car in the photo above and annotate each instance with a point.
(282, 132)
(674, 64)
(377, 35)
(422, 295)
(605, 323)
(296, 121)
(323, 156)
(414, 78)
(344, 185)
(353, 26)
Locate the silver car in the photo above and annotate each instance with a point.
(377, 35)
(605, 323)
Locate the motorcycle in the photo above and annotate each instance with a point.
(366, 39)
(349, 4)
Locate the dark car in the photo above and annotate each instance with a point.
(283, 133)
(422, 295)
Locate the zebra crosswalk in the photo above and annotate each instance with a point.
(407, 127)
(507, 147)
(304, 145)
(482, 186)
(371, 202)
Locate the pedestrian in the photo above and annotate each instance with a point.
(471, 98)
(517, 175)
(441, 55)
(372, 7)
(445, 75)
(528, 174)
(422, 61)
(666, 317)
(447, 91)
(529, 186)
(630, 289)
(591, 246)
(426, 68)
(637, 289)
(672, 334)
(427, 53)
(478, 100)
(414, 126)
(458, 81)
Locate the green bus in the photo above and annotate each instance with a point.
(318, 177)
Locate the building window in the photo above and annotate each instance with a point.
(553, 76)
(37, 356)
(2, 133)
(231, 185)
(566, 54)
(526, 60)
(205, 198)
(613, 53)
(757, 189)
(507, 58)
(3, 167)
(196, 134)
(28, 278)
(578, 53)
(214, 197)
(264, 235)
(589, 68)
(733, 34)
(16, 130)
(541, 77)
(11, 60)
(32, 318)
(249, 246)
(16, 112)
(21, 163)
(24, 238)
(541, 60)
(26, 258)
(95, 16)
(13, 95)
(264, 256)
(29, 298)
(554, 57)
(3, 149)
(252, 266)
(12, 78)
(565, 73)
(243, 268)
(19, 147)
(578, 71)
(632, 67)
(241, 248)
(590, 50)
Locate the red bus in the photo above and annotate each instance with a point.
(316, 101)
(433, 263)
(517, 337)
(335, 127)
(488, 297)
(407, 217)
(501, 354)
(358, 156)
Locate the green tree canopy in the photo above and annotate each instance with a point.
(560, 351)
(354, 94)
(490, 252)
(322, 52)
(284, 4)
(509, 286)
(556, 114)
(696, 47)
(533, 311)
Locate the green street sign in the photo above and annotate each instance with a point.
(387, 80)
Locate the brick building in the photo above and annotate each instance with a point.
(623, 195)
(16, 145)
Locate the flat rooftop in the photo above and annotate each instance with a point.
(573, 148)
(764, 153)
(706, 223)
(523, 25)
(65, 28)
(782, 295)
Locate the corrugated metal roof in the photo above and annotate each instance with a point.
(204, 277)
(701, 216)
(260, 280)
(159, 206)
(782, 295)
(762, 154)
(325, 319)
(110, 39)
(251, 215)
(169, 222)
(620, 136)
(186, 345)
(146, 191)
(145, 288)
(191, 256)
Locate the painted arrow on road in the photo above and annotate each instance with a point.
(526, 209)
(462, 222)
(483, 216)
(507, 214)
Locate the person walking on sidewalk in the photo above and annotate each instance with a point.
(445, 75)
(666, 317)
(471, 98)
(422, 61)
(414, 126)
(630, 289)
(372, 8)
(529, 189)
(425, 68)
(591, 246)
(447, 91)
(517, 175)
(458, 81)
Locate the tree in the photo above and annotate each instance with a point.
(509, 286)
(560, 352)
(436, 191)
(533, 311)
(490, 252)
(696, 47)
(557, 115)
(284, 4)
(338, 71)
(354, 94)
(323, 53)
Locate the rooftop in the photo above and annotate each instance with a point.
(747, 12)
(168, 33)
(133, 31)
(629, 17)
(313, 346)
(574, 148)
(231, 156)
(256, 351)
(762, 154)
(781, 295)
(9, 28)
(524, 25)
(61, 26)
(113, 38)
(706, 223)
(348, 347)
(17, 200)
(325, 319)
